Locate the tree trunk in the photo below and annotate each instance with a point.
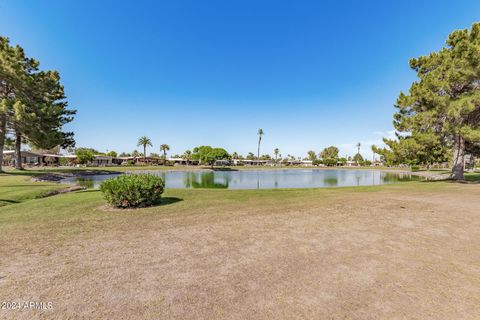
(144, 155)
(458, 158)
(3, 131)
(18, 150)
(164, 157)
(258, 150)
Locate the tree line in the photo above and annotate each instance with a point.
(33, 106)
(208, 155)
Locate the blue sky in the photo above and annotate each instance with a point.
(187, 73)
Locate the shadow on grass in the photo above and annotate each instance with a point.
(8, 201)
(163, 202)
(470, 178)
(89, 190)
(168, 200)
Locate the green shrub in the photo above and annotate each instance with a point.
(64, 162)
(415, 168)
(135, 190)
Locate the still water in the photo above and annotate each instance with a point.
(263, 179)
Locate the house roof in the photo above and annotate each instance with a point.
(23, 153)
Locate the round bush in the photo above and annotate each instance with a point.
(132, 191)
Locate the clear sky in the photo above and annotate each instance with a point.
(188, 73)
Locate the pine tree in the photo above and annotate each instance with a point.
(32, 105)
(444, 103)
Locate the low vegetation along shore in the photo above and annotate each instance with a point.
(407, 250)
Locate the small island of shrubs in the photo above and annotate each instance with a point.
(133, 191)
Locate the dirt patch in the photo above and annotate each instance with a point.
(391, 254)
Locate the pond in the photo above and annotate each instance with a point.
(263, 179)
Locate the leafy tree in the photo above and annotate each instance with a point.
(235, 155)
(112, 154)
(329, 156)
(125, 154)
(84, 155)
(366, 163)
(412, 150)
(343, 161)
(164, 148)
(330, 152)
(260, 134)
(312, 155)
(250, 156)
(444, 101)
(208, 155)
(154, 155)
(330, 161)
(144, 142)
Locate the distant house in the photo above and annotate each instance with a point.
(54, 159)
(101, 161)
(351, 163)
(182, 162)
(28, 158)
(245, 162)
(306, 163)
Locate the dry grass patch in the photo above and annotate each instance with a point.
(403, 251)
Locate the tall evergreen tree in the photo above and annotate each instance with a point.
(14, 67)
(445, 102)
(32, 105)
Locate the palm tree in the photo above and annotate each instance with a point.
(358, 149)
(187, 155)
(276, 152)
(144, 141)
(260, 134)
(312, 155)
(164, 148)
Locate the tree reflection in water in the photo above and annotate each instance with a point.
(331, 182)
(85, 182)
(204, 180)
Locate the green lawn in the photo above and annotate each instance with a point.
(18, 187)
(209, 253)
(473, 177)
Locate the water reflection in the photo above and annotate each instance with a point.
(204, 180)
(265, 179)
(85, 182)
